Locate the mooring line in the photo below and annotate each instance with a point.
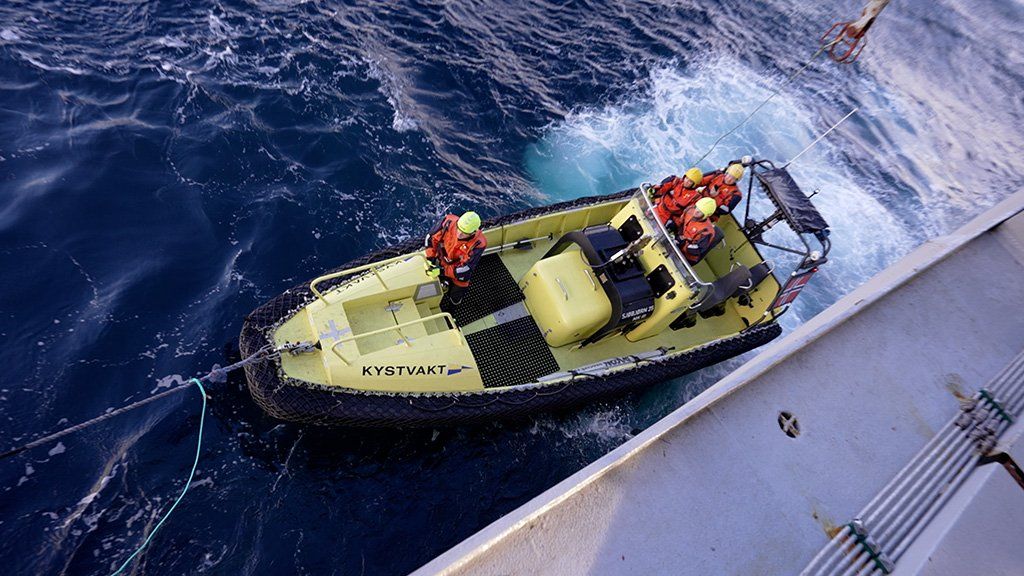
(83, 425)
(266, 353)
(184, 490)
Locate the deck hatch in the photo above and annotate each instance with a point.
(427, 291)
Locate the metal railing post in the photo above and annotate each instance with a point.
(668, 238)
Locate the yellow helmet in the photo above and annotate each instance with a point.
(706, 206)
(735, 170)
(695, 175)
(469, 222)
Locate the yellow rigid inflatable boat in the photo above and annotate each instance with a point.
(570, 303)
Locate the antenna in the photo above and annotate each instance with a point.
(818, 139)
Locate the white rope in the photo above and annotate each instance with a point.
(823, 48)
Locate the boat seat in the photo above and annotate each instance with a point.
(758, 273)
(715, 241)
(725, 287)
(721, 290)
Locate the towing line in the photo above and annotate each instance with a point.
(268, 352)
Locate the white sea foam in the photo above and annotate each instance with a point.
(391, 86)
(606, 426)
(167, 382)
(663, 129)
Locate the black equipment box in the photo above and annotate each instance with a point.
(635, 295)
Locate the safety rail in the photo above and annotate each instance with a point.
(516, 244)
(397, 328)
(373, 266)
(643, 193)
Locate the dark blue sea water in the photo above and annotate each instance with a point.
(165, 167)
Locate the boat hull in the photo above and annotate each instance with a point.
(299, 401)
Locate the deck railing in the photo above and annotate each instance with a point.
(373, 267)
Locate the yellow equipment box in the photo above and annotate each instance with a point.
(565, 298)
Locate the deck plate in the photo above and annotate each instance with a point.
(491, 288)
(511, 353)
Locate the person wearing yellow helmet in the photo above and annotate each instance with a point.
(453, 248)
(696, 232)
(721, 186)
(674, 194)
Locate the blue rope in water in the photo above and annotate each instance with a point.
(188, 482)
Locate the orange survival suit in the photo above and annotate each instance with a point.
(727, 196)
(695, 236)
(456, 257)
(673, 198)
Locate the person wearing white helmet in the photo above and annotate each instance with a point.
(453, 248)
(696, 232)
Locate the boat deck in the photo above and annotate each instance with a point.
(511, 353)
(508, 353)
(494, 288)
(521, 349)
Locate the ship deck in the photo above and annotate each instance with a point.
(772, 464)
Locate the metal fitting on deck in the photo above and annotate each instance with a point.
(994, 404)
(875, 553)
(296, 348)
(985, 437)
(967, 406)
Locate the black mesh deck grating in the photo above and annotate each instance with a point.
(511, 353)
(491, 288)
